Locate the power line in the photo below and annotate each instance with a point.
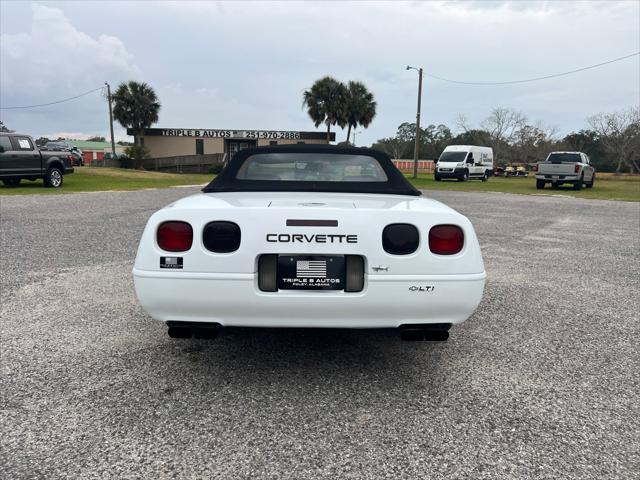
(52, 103)
(536, 78)
(437, 77)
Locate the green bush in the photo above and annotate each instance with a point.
(138, 154)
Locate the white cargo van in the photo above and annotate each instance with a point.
(465, 162)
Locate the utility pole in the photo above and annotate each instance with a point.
(113, 143)
(416, 150)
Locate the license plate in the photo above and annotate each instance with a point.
(555, 177)
(311, 272)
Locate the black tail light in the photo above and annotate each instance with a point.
(400, 239)
(174, 236)
(221, 237)
(446, 239)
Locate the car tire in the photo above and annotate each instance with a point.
(437, 178)
(11, 182)
(593, 180)
(578, 184)
(540, 184)
(53, 178)
(465, 177)
(484, 178)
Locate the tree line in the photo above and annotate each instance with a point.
(612, 140)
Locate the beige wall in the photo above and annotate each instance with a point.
(160, 147)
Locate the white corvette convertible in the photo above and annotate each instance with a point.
(309, 236)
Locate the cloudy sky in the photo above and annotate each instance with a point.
(244, 65)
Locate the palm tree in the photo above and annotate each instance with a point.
(325, 102)
(135, 106)
(360, 106)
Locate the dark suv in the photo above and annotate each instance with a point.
(21, 159)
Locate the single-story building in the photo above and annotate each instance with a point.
(177, 142)
(94, 151)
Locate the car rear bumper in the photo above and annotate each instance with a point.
(387, 301)
(558, 178)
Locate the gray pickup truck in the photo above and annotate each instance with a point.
(21, 159)
(565, 167)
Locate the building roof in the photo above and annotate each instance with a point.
(97, 146)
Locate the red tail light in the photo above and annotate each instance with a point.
(577, 168)
(534, 167)
(175, 236)
(446, 239)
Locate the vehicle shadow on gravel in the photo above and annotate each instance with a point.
(306, 355)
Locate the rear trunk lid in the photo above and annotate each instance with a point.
(309, 223)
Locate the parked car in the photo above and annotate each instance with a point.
(21, 159)
(62, 146)
(57, 146)
(78, 159)
(309, 236)
(464, 162)
(566, 167)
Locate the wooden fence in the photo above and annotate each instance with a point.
(406, 166)
(185, 163)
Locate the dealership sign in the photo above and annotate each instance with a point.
(248, 134)
(233, 134)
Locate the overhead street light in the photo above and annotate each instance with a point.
(416, 149)
(354, 136)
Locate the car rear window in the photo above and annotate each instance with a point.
(311, 167)
(564, 158)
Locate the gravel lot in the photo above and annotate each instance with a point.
(542, 382)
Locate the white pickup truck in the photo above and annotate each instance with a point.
(566, 167)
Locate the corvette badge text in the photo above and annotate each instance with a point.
(422, 288)
(314, 238)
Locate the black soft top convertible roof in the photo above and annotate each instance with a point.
(226, 181)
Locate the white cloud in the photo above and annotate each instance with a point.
(56, 60)
(246, 64)
(56, 56)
